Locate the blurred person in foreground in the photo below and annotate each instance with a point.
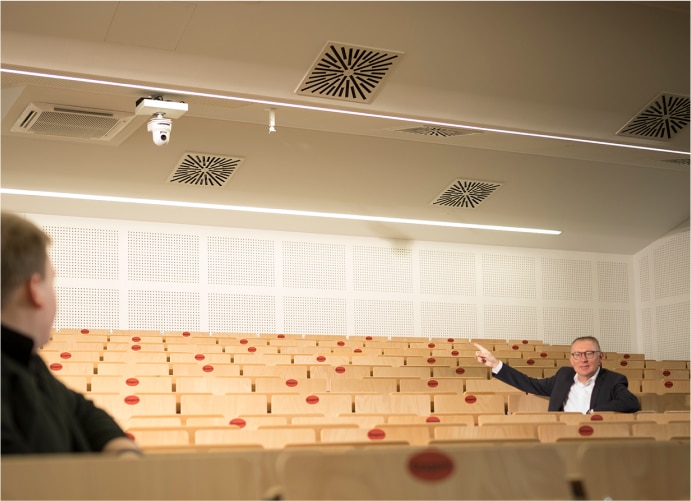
(584, 387)
(39, 413)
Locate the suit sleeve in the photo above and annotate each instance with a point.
(517, 379)
(616, 396)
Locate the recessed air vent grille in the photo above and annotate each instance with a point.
(348, 72)
(203, 169)
(662, 118)
(71, 122)
(677, 161)
(433, 131)
(466, 193)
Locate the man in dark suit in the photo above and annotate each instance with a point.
(584, 387)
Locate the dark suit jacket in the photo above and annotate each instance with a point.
(611, 392)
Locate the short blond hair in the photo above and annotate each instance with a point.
(24, 253)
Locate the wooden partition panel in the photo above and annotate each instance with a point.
(658, 470)
(170, 476)
(422, 473)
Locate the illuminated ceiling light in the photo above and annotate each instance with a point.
(272, 120)
(262, 210)
(164, 90)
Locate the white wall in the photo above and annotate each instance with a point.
(131, 275)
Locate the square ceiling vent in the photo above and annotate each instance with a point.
(661, 119)
(348, 72)
(204, 169)
(437, 131)
(465, 193)
(71, 122)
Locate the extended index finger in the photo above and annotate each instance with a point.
(480, 347)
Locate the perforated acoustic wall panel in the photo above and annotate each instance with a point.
(313, 265)
(382, 269)
(164, 310)
(162, 257)
(448, 273)
(384, 318)
(567, 279)
(448, 320)
(98, 308)
(511, 322)
(671, 319)
(242, 313)
(563, 324)
(508, 276)
(247, 262)
(314, 315)
(84, 253)
(136, 275)
(662, 296)
(615, 327)
(671, 280)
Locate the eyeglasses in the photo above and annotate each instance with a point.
(577, 355)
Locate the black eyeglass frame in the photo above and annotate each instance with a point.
(589, 355)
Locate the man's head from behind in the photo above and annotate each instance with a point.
(28, 297)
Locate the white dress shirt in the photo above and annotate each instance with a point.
(579, 395)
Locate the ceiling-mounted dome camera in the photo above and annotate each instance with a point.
(160, 128)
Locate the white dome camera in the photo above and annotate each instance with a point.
(160, 128)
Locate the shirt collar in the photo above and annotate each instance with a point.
(590, 380)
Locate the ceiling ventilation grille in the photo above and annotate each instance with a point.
(465, 193)
(71, 122)
(433, 131)
(202, 169)
(677, 161)
(662, 118)
(348, 72)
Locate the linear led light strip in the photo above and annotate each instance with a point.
(260, 210)
(334, 110)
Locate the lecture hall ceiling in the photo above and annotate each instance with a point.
(467, 112)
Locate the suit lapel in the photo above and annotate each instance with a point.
(596, 388)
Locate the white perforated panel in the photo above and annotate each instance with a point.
(671, 266)
(82, 307)
(161, 310)
(615, 330)
(384, 318)
(510, 322)
(176, 277)
(382, 269)
(241, 261)
(162, 257)
(314, 315)
(644, 284)
(311, 265)
(649, 346)
(613, 282)
(89, 253)
(673, 331)
(242, 313)
(508, 276)
(447, 272)
(567, 279)
(448, 320)
(562, 325)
